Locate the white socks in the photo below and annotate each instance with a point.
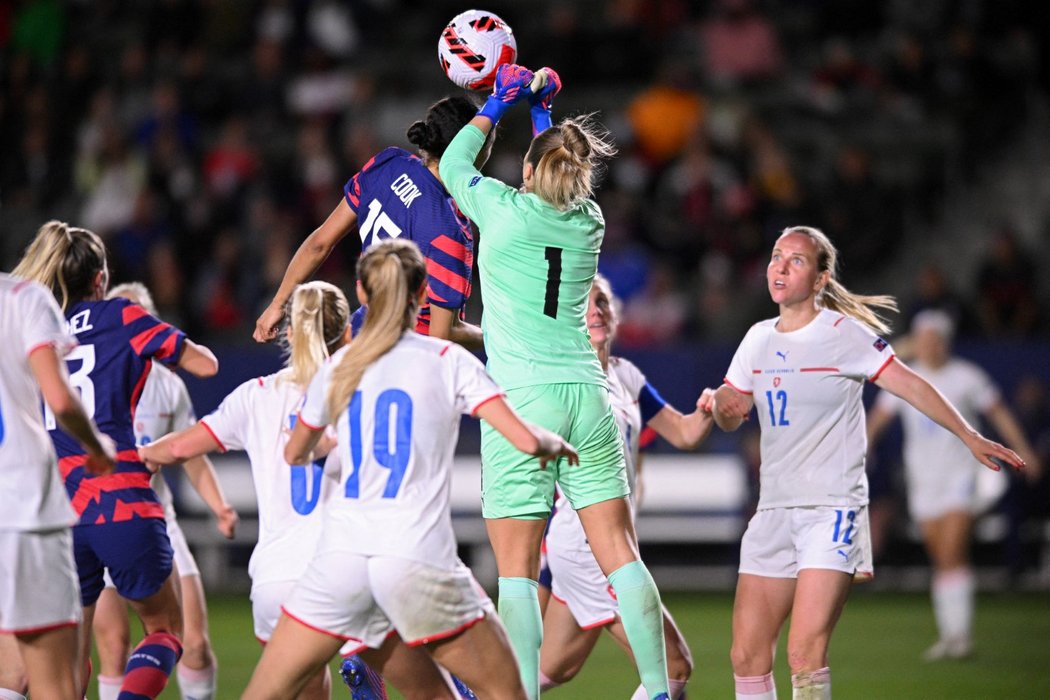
(811, 685)
(6, 694)
(755, 687)
(676, 688)
(109, 687)
(953, 603)
(196, 684)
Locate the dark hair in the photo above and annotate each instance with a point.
(65, 259)
(443, 121)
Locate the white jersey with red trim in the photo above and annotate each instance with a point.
(929, 449)
(396, 441)
(163, 408)
(256, 417)
(807, 386)
(32, 495)
(625, 384)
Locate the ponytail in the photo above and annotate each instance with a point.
(392, 274)
(318, 313)
(834, 295)
(566, 160)
(64, 259)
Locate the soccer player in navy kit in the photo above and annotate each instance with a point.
(121, 522)
(400, 195)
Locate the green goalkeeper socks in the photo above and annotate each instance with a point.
(519, 609)
(643, 621)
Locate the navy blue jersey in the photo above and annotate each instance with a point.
(118, 341)
(395, 195)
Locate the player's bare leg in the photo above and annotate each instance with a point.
(197, 667)
(566, 645)
(481, 657)
(761, 606)
(51, 663)
(112, 641)
(409, 669)
(820, 596)
(12, 669)
(292, 657)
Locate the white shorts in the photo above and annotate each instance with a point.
(39, 587)
(365, 599)
(185, 564)
(267, 599)
(578, 582)
(944, 489)
(779, 542)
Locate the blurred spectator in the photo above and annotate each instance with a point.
(1006, 285)
(664, 117)
(111, 180)
(740, 43)
(932, 291)
(657, 314)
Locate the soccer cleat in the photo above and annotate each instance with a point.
(951, 648)
(363, 682)
(662, 696)
(461, 688)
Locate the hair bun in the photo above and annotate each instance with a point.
(419, 134)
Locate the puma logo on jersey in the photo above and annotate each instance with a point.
(405, 189)
(844, 555)
(783, 355)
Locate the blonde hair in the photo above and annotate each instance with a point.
(64, 259)
(392, 274)
(613, 314)
(566, 160)
(318, 313)
(834, 295)
(137, 293)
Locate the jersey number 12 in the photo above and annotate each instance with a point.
(780, 397)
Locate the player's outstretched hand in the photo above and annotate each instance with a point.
(268, 324)
(987, 451)
(226, 521)
(148, 458)
(543, 88)
(511, 86)
(105, 461)
(552, 446)
(706, 402)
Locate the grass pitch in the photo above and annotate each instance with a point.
(874, 653)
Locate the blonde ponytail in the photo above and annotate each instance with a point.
(834, 295)
(566, 159)
(318, 313)
(392, 274)
(65, 260)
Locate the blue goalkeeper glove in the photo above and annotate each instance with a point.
(512, 86)
(540, 101)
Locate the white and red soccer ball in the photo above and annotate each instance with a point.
(473, 45)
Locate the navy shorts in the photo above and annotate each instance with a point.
(137, 553)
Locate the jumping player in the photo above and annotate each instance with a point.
(942, 477)
(581, 603)
(165, 407)
(539, 259)
(400, 195)
(804, 371)
(121, 521)
(39, 594)
(387, 558)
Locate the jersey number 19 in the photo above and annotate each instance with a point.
(391, 442)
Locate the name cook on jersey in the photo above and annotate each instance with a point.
(405, 189)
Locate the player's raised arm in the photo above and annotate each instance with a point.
(309, 256)
(198, 360)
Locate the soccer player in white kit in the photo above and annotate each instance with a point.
(387, 558)
(257, 417)
(40, 609)
(944, 483)
(165, 407)
(582, 603)
(804, 372)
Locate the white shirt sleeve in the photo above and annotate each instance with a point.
(182, 407)
(740, 376)
(866, 354)
(472, 383)
(630, 376)
(228, 423)
(314, 413)
(43, 323)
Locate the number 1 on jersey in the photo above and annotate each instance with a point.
(550, 299)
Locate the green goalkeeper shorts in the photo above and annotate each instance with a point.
(512, 483)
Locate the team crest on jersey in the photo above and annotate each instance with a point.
(880, 344)
(776, 381)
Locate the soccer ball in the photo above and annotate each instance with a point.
(473, 45)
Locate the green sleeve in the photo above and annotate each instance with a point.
(474, 194)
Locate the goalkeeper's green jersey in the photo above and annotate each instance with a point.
(537, 265)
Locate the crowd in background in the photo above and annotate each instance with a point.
(203, 140)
